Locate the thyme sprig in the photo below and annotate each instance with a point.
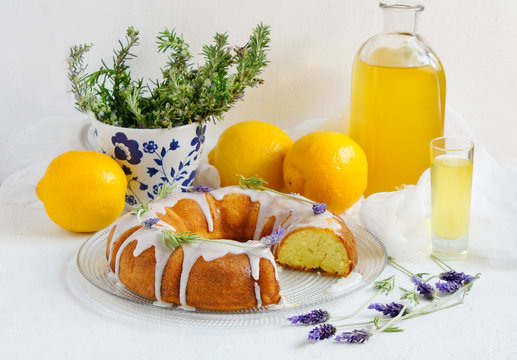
(186, 92)
(258, 183)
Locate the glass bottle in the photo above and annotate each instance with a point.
(397, 100)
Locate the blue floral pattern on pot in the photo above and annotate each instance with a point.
(126, 149)
(152, 157)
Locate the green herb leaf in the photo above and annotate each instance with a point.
(186, 93)
(393, 329)
(171, 241)
(386, 285)
(165, 190)
(410, 295)
(140, 209)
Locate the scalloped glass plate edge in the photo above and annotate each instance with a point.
(304, 289)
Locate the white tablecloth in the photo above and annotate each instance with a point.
(49, 312)
(44, 316)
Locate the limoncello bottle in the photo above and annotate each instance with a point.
(397, 100)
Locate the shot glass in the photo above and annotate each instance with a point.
(451, 187)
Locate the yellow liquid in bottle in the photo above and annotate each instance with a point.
(451, 184)
(394, 113)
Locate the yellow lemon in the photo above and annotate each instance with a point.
(326, 167)
(83, 191)
(251, 148)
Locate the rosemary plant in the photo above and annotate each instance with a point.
(186, 93)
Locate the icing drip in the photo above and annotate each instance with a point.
(211, 251)
(150, 238)
(257, 295)
(291, 214)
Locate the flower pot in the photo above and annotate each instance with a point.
(150, 157)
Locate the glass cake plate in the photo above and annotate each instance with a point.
(301, 290)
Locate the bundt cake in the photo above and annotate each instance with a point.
(230, 274)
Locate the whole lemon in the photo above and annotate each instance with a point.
(251, 148)
(327, 167)
(83, 191)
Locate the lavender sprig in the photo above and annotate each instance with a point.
(319, 208)
(382, 286)
(312, 318)
(322, 332)
(448, 287)
(391, 309)
(256, 182)
(396, 312)
(201, 188)
(171, 241)
(354, 336)
(165, 190)
(453, 281)
(273, 238)
(149, 223)
(140, 210)
(422, 287)
(453, 276)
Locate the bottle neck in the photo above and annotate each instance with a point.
(401, 19)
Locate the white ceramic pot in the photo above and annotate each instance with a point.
(150, 157)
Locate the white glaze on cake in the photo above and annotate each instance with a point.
(290, 214)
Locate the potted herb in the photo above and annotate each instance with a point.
(156, 131)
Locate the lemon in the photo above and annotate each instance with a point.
(326, 167)
(251, 148)
(83, 191)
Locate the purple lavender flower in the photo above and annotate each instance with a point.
(422, 287)
(324, 331)
(274, 237)
(240, 96)
(390, 310)
(453, 276)
(354, 336)
(448, 287)
(201, 188)
(319, 208)
(76, 96)
(149, 223)
(312, 318)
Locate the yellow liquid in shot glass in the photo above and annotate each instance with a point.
(451, 184)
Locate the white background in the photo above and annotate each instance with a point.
(313, 46)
